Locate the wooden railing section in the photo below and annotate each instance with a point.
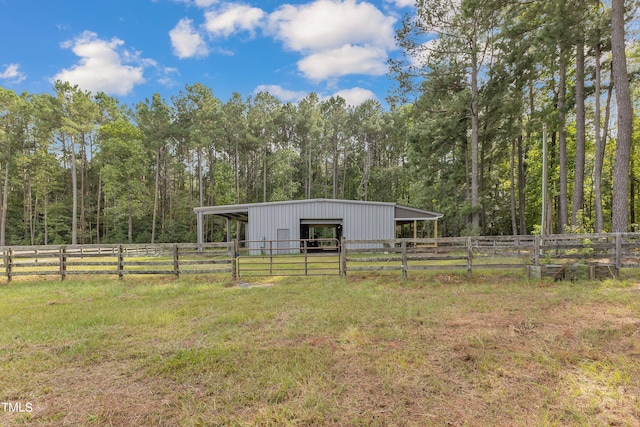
(595, 255)
(552, 255)
(120, 260)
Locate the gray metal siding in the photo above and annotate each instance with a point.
(360, 221)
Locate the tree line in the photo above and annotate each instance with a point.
(492, 77)
(481, 85)
(82, 168)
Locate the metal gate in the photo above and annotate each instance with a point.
(286, 257)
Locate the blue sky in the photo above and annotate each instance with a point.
(131, 49)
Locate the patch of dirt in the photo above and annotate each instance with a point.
(98, 394)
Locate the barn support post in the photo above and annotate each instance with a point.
(228, 230)
(435, 231)
(200, 228)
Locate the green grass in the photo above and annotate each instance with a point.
(437, 349)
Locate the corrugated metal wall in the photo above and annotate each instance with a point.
(360, 221)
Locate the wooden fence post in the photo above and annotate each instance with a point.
(63, 262)
(306, 265)
(469, 256)
(234, 249)
(343, 257)
(120, 262)
(404, 259)
(270, 256)
(536, 250)
(8, 261)
(618, 251)
(176, 262)
(236, 258)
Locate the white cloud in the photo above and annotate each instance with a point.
(186, 41)
(12, 74)
(281, 93)
(205, 3)
(422, 53)
(328, 24)
(337, 37)
(101, 66)
(343, 61)
(233, 18)
(402, 3)
(165, 79)
(356, 96)
(199, 3)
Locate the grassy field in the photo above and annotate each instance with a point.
(369, 351)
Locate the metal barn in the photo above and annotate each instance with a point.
(293, 221)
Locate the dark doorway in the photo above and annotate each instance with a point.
(320, 235)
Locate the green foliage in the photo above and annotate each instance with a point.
(78, 165)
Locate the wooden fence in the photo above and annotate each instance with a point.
(121, 260)
(558, 256)
(584, 255)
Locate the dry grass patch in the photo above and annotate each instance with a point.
(373, 350)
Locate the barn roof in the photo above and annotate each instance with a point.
(241, 212)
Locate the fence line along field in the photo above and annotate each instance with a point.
(371, 350)
(558, 256)
(120, 260)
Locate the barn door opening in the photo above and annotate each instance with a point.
(318, 235)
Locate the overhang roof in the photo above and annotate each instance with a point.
(237, 212)
(406, 214)
(241, 212)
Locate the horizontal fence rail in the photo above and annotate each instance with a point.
(557, 256)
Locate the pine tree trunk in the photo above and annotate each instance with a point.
(83, 170)
(620, 208)
(5, 199)
(154, 215)
(46, 215)
(98, 211)
(264, 174)
(563, 210)
(130, 222)
(600, 142)
(335, 170)
(74, 195)
(578, 186)
(514, 222)
(475, 191)
(521, 187)
(200, 180)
